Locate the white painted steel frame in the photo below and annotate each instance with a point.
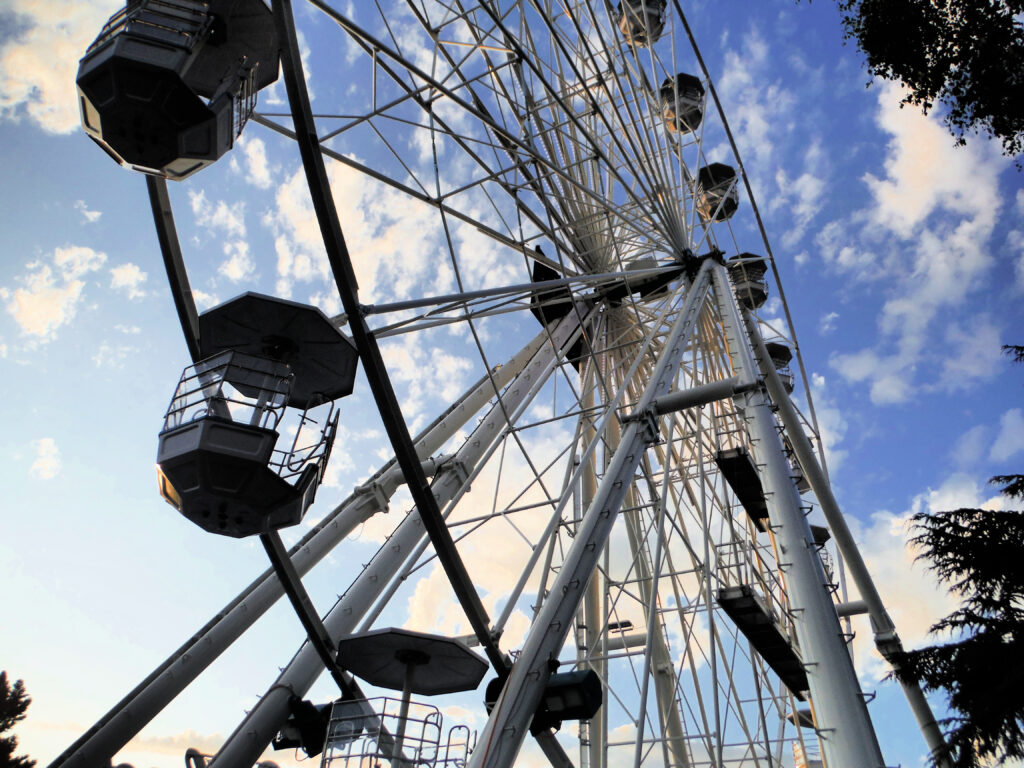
(847, 736)
(605, 187)
(131, 714)
(886, 638)
(510, 720)
(247, 743)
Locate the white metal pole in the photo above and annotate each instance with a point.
(886, 639)
(595, 638)
(509, 721)
(98, 745)
(847, 736)
(398, 759)
(250, 738)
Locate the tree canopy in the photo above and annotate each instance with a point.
(967, 55)
(13, 703)
(977, 553)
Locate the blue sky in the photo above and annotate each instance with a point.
(902, 258)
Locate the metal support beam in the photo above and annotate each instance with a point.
(307, 614)
(510, 719)
(369, 353)
(251, 737)
(129, 716)
(847, 736)
(167, 235)
(696, 397)
(886, 639)
(553, 750)
(595, 635)
(658, 663)
(851, 608)
(609, 278)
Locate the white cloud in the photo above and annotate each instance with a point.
(756, 106)
(888, 376)
(328, 301)
(89, 216)
(835, 247)
(47, 462)
(128, 278)
(832, 425)
(1015, 241)
(970, 447)
(827, 324)
(805, 195)
(174, 745)
(48, 299)
(239, 264)
(38, 64)
(76, 261)
(924, 172)
(393, 241)
(304, 53)
(433, 604)
(219, 217)
(204, 300)
(42, 306)
(937, 229)
(257, 168)
(112, 356)
(972, 354)
(1010, 440)
(408, 357)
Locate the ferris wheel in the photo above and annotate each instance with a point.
(627, 481)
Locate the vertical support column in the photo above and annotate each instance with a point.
(510, 719)
(663, 671)
(886, 639)
(847, 736)
(252, 735)
(594, 634)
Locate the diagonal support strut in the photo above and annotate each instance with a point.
(369, 352)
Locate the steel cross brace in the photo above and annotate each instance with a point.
(509, 722)
(886, 639)
(369, 353)
(405, 545)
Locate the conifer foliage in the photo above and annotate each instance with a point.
(13, 703)
(979, 555)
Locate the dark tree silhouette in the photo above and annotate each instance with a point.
(967, 55)
(979, 555)
(13, 703)
(1015, 351)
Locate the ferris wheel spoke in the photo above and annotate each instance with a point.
(632, 123)
(475, 110)
(626, 122)
(592, 146)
